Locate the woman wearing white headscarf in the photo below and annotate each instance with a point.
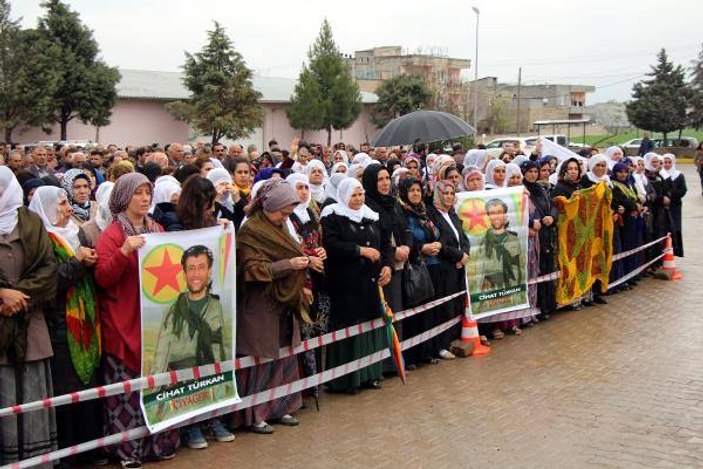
(513, 175)
(597, 171)
(613, 155)
(307, 227)
(27, 284)
(90, 231)
(495, 174)
(317, 176)
(166, 194)
(678, 191)
(77, 349)
(340, 167)
(331, 189)
(351, 235)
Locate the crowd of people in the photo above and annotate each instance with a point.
(319, 230)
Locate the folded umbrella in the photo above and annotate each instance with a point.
(392, 336)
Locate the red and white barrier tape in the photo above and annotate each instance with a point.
(633, 273)
(247, 401)
(172, 377)
(616, 257)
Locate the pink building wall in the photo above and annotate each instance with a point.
(144, 121)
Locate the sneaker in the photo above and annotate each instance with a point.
(446, 355)
(194, 438)
(218, 431)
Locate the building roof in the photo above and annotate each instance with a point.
(147, 84)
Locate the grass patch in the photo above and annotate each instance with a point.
(610, 140)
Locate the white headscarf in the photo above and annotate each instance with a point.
(217, 176)
(336, 166)
(165, 178)
(648, 160)
(490, 170)
(510, 170)
(475, 157)
(45, 203)
(428, 170)
(353, 168)
(164, 190)
(592, 162)
(609, 153)
(397, 174)
(673, 172)
(343, 154)
(332, 185)
(316, 190)
(301, 210)
(11, 197)
(362, 159)
(344, 193)
(102, 196)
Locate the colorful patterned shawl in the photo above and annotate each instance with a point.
(585, 236)
(82, 318)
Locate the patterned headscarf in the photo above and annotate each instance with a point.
(437, 198)
(121, 195)
(81, 211)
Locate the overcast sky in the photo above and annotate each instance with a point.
(609, 44)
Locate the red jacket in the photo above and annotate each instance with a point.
(120, 311)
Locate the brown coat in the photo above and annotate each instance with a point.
(269, 289)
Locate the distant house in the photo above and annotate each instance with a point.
(140, 118)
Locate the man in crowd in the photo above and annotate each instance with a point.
(235, 151)
(252, 152)
(15, 161)
(175, 154)
(219, 151)
(41, 167)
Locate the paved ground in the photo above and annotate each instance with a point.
(615, 386)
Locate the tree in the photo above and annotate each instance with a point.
(659, 103)
(306, 110)
(338, 98)
(398, 96)
(695, 114)
(27, 81)
(223, 101)
(86, 87)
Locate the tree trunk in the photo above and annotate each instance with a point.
(8, 135)
(302, 135)
(329, 135)
(64, 125)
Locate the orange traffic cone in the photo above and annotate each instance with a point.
(669, 266)
(469, 333)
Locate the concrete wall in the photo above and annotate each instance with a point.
(142, 122)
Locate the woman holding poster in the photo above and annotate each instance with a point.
(117, 273)
(453, 256)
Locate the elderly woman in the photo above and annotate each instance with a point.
(117, 273)
(495, 174)
(678, 191)
(77, 185)
(76, 349)
(166, 193)
(27, 284)
(307, 227)
(228, 202)
(271, 278)
(317, 175)
(359, 260)
(90, 231)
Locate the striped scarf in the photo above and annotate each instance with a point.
(82, 318)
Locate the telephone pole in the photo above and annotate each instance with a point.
(519, 101)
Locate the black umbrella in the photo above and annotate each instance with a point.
(428, 126)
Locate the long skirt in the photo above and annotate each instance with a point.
(79, 422)
(122, 413)
(260, 378)
(310, 361)
(547, 291)
(447, 279)
(418, 324)
(33, 433)
(616, 271)
(630, 238)
(351, 349)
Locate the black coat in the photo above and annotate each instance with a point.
(565, 189)
(165, 215)
(452, 250)
(352, 280)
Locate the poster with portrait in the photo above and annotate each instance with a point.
(188, 319)
(496, 223)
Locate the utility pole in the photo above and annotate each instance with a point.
(519, 100)
(475, 86)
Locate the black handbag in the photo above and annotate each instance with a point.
(417, 284)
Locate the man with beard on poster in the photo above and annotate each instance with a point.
(192, 331)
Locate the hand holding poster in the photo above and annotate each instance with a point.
(495, 222)
(188, 303)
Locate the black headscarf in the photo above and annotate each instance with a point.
(28, 186)
(370, 183)
(418, 210)
(152, 171)
(390, 216)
